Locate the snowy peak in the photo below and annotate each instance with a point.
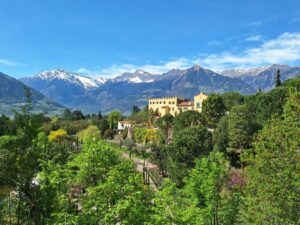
(139, 76)
(196, 67)
(100, 80)
(239, 72)
(263, 78)
(252, 72)
(140, 72)
(68, 77)
(90, 83)
(55, 74)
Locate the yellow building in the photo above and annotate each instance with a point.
(176, 105)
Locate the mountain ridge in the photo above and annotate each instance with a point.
(12, 97)
(134, 88)
(263, 78)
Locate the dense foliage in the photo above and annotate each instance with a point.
(236, 162)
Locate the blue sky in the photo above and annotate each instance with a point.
(106, 38)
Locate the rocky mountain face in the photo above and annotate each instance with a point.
(123, 95)
(62, 86)
(263, 77)
(12, 97)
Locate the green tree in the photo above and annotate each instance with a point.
(231, 99)
(277, 79)
(165, 123)
(139, 134)
(91, 132)
(20, 161)
(187, 145)
(103, 125)
(213, 109)
(140, 116)
(5, 125)
(187, 119)
(220, 135)
(241, 128)
(266, 104)
(95, 186)
(272, 192)
(113, 119)
(206, 186)
(208, 197)
(77, 115)
(135, 109)
(67, 115)
(99, 115)
(109, 134)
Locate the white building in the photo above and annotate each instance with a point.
(124, 124)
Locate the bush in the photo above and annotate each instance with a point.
(91, 132)
(109, 134)
(124, 133)
(57, 135)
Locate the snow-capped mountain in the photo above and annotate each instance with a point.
(178, 82)
(62, 86)
(238, 72)
(134, 88)
(139, 76)
(263, 77)
(75, 78)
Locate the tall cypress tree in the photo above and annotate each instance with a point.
(277, 80)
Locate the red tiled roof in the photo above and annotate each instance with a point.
(185, 104)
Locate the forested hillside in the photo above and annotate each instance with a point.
(12, 97)
(237, 162)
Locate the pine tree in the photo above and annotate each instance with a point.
(277, 80)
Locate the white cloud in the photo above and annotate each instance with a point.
(84, 71)
(6, 62)
(116, 70)
(284, 49)
(254, 38)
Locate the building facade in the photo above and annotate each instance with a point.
(124, 124)
(176, 105)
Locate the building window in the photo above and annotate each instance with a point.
(164, 102)
(198, 105)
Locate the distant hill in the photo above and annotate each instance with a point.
(12, 97)
(263, 77)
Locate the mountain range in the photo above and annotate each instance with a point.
(91, 95)
(122, 92)
(263, 77)
(61, 86)
(12, 98)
